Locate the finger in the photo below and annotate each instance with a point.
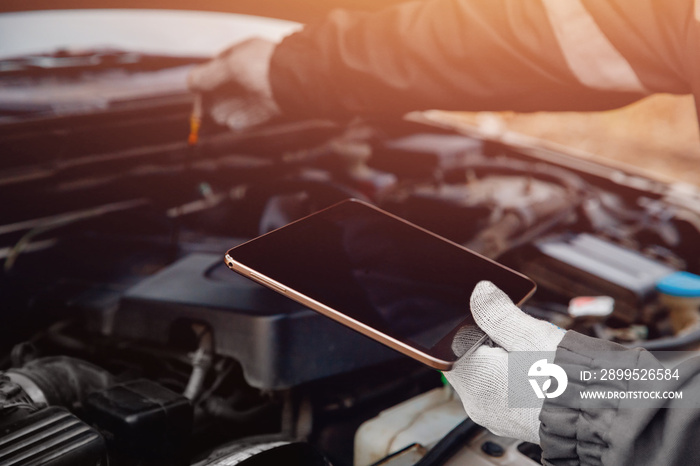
(465, 339)
(507, 325)
(480, 379)
(208, 76)
(240, 113)
(485, 367)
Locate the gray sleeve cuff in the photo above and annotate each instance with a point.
(570, 435)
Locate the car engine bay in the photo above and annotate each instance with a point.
(126, 340)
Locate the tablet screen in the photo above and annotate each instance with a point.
(381, 271)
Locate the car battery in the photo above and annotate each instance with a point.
(585, 265)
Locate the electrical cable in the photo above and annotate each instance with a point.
(58, 221)
(450, 443)
(201, 362)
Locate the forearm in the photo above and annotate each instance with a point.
(474, 55)
(617, 432)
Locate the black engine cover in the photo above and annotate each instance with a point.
(278, 342)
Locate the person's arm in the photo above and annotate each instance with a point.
(618, 432)
(494, 384)
(522, 55)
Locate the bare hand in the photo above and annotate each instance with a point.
(236, 86)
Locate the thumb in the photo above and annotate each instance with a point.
(507, 325)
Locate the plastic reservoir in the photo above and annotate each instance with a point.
(424, 420)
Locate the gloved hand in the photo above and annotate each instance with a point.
(481, 378)
(236, 86)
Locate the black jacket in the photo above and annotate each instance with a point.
(619, 432)
(521, 55)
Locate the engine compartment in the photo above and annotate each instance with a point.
(112, 244)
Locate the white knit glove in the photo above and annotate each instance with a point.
(481, 377)
(236, 86)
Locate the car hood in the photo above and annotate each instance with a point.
(298, 10)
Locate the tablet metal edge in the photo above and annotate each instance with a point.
(354, 324)
(339, 317)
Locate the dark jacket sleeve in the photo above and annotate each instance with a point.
(618, 432)
(521, 55)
